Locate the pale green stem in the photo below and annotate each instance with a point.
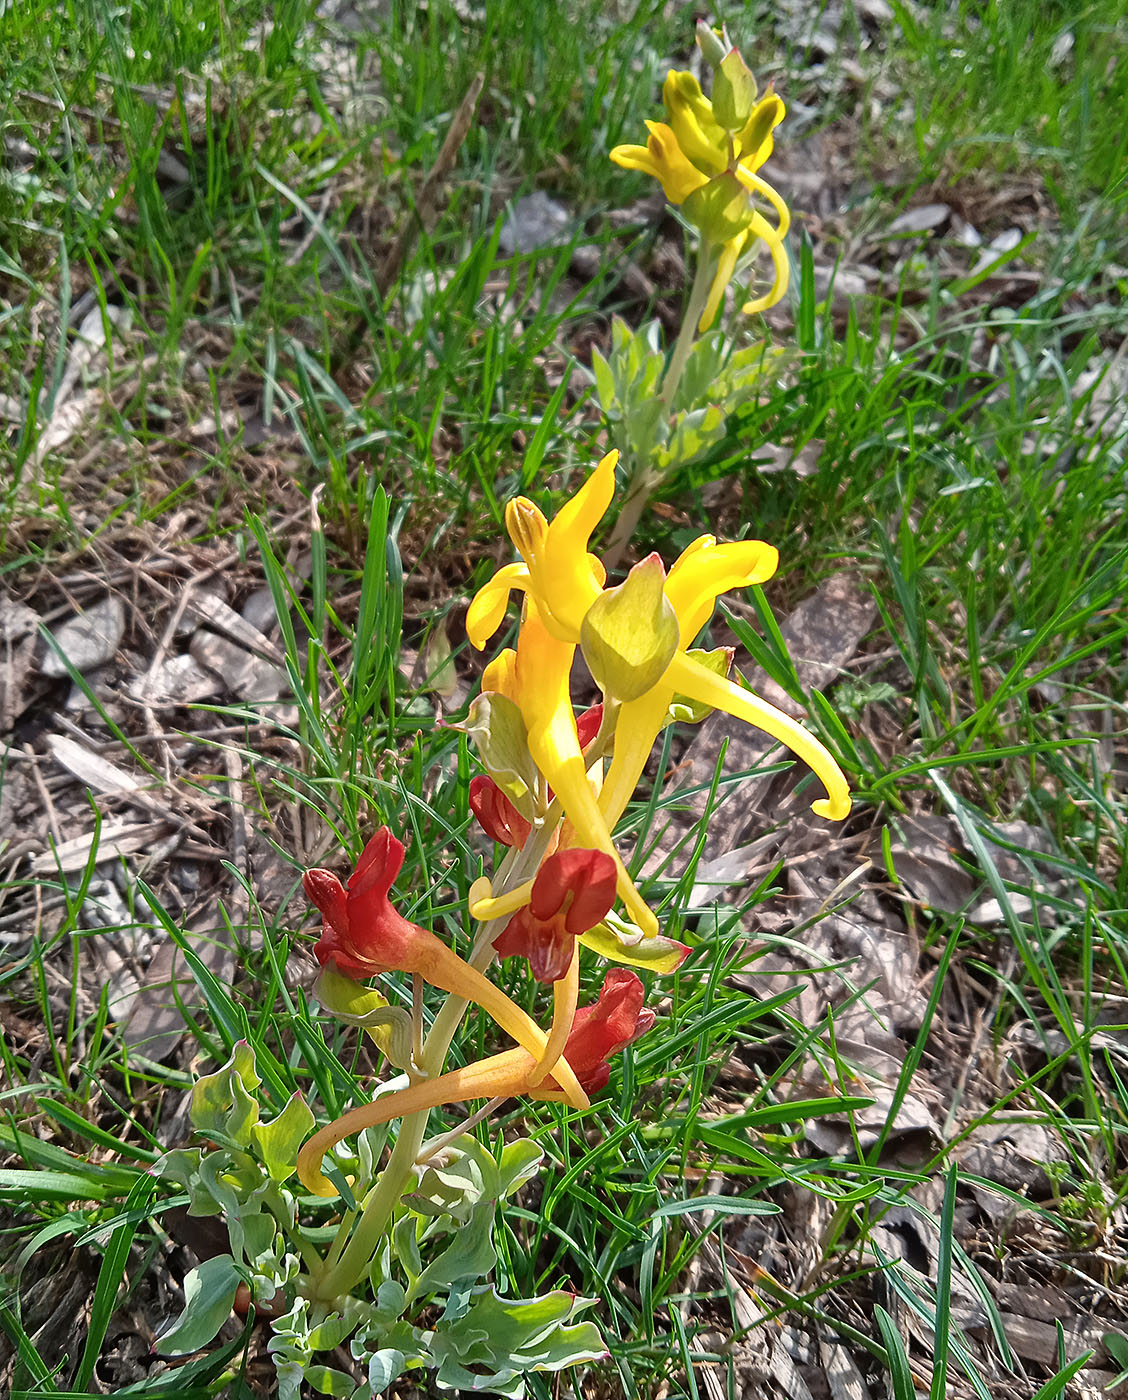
(643, 477)
(376, 1211)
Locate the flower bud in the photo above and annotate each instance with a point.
(496, 814)
(713, 43)
(630, 633)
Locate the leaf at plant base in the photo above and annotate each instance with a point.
(513, 1336)
(620, 941)
(209, 1291)
(223, 1103)
(693, 434)
(605, 386)
(278, 1141)
(701, 373)
(383, 1367)
(520, 1162)
(468, 1258)
(405, 1245)
(328, 1381)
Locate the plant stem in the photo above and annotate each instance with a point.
(643, 478)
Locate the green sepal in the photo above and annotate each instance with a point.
(223, 1104)
(278, 1141)
(630, 633)
(684, 710)
(619, 941)
(497, 730)
(719, 210)
(734, 91)
(358, 1005)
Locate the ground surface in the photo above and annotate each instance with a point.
(233, 302)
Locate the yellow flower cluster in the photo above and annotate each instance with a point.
(639, 660)
(706, 158)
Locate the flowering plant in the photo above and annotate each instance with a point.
(392, 1261)
(665, 413)
(415, 1237)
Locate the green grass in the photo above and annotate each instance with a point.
(218, 197)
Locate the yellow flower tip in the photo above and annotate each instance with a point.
(483, 904)
(310, 1156)
(834, 808)
(480, 891)
(527, 527)
(483, 617)
(501, 673)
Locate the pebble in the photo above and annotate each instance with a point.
(535, 221)
(178, 680)
(247, 676)
(89, 640)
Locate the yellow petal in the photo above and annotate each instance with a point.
(501, 674)
(726, 265)
(483, 904)
(487, 609)
(705, 570)
(755, 184)
(640, 722)
(698, 682)
(663, 159)
(762, 229)
(755, 141)
(699, 136)
(565, 999)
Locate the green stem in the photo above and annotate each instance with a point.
(341, 1278)
(643, 477)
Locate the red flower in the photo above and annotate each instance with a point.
(363, 934)
(573, 890)
(497, 815)
(604, 1028)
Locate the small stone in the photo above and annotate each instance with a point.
(259, 611)
(923, 219)
(179, 680)
(246, 676)
(1005, 242)
(88, 640)
(535, 221)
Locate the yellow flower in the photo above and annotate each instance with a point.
(562, 581)
(535, 678)
(559, 577)
(711, 172)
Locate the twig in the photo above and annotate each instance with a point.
(422, 216)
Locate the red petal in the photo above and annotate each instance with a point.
(513, 940)
(497, 815)
(606, 1026)
(587, 725)
(379, 864)
(587, 875)
(327, 894)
